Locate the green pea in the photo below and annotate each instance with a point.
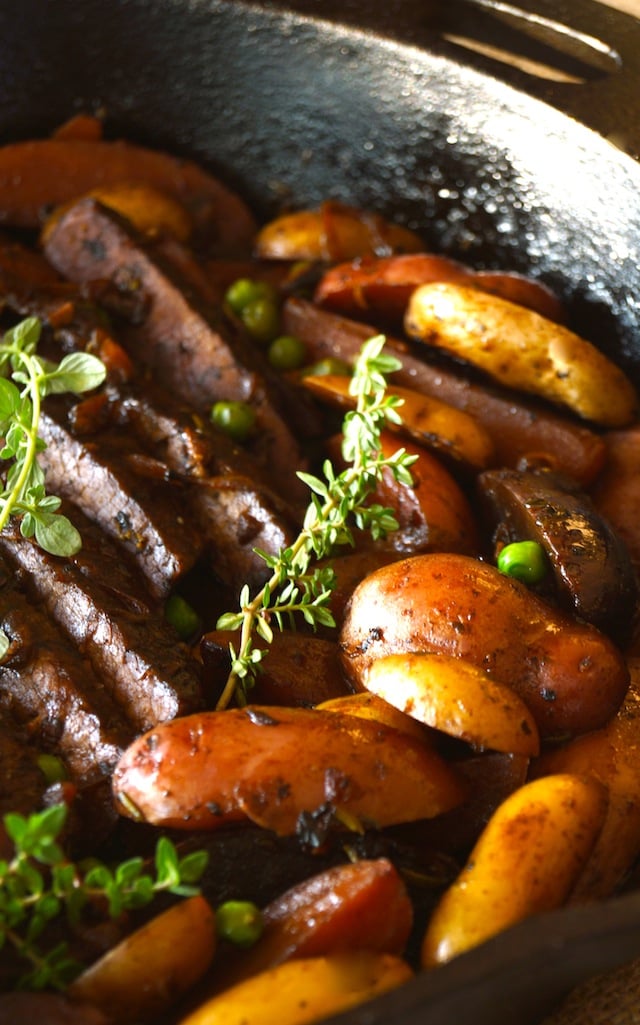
(236, 419)
(246, 290)
(286, 352)
(330, 365)
(240, 922)
(182, 616)
(523, 560)
(52, 768)
(261, 317)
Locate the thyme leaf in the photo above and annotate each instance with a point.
(339, 504)
(39, 883)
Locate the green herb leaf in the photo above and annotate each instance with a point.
(336, 503)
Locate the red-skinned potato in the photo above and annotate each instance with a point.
(273, 764)
(571, 677)
(359, 906)
(382, 287)
(434, 513)
(528, 857)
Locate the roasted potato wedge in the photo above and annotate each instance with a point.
(381, 287)
(150, 210)
(526, 860)
(456, 697)
(333, 232)
(367, 705)
(571, 676)
(522, 350)
(446, 430)
(274, 764)
(359, 906)
(612, 756)
(302, 991)
(154, 966)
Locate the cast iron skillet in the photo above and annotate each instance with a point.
(380, 105)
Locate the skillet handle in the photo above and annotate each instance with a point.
(593, 49)
(579, 56)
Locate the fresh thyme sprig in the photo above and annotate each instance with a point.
(39, 884)
(338, 503)
(26, 379)
(24, 489)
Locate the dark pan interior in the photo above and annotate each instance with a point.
(292, 110)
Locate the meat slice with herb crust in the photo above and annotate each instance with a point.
(103, 609)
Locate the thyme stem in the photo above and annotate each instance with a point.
(336, 503)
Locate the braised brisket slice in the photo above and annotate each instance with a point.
(146, 517)
(95, 598)
(53, 692)
(181, 338)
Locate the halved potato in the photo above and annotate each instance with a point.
(333, 232)
(145, 973)
(457, 697)
(522, 350)
(526, 860)
(302, 991)
(448, 431)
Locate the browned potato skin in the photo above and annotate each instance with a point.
(270, 765)
(572, 678)
(154, 966)
(529, 855)
(612, 756)
(522, 350)
(359, 906)
(333, 232)
(382, 287)
(433, 514)
(520, 427)
(447, 431)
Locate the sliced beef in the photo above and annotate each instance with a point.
(96, 599)
(182, 339)
(146, 517)
(235, 508)
(22, 782)
(53, 692)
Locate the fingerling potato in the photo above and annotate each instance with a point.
(522, 350)
(302, 991)
(274, 764)
(150, 969)
(571, 676)
(456, 697)
(526, 861)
